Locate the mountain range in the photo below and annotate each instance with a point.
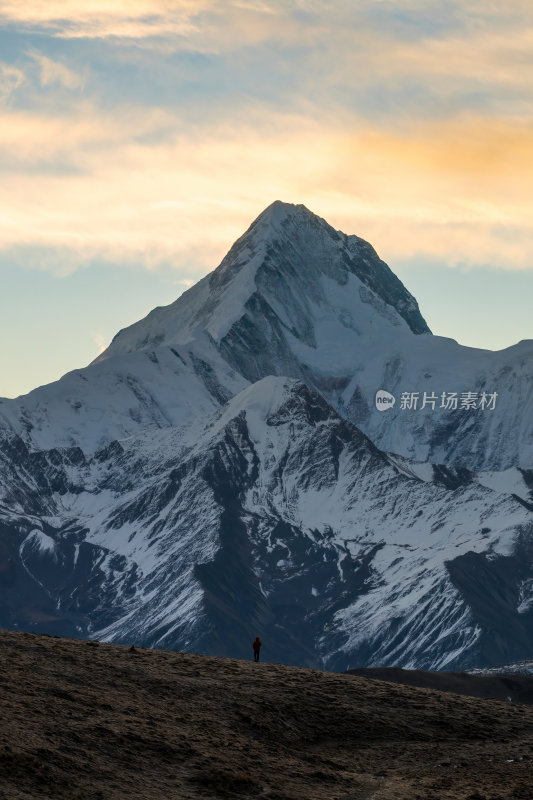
(223, 470)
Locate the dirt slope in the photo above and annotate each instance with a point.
(100, 722)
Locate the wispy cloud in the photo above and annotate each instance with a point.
(51, 72)
(100, 342)
(103, 18)
(10, 79)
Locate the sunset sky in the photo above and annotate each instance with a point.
(140, 138)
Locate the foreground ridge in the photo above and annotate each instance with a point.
(93, 720)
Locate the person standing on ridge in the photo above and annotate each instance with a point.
(257, 647)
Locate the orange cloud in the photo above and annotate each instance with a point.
(458, 191)
(457, 188)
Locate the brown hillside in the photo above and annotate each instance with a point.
(89, 721)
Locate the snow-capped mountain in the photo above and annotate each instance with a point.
(295, 298)
(222, 471)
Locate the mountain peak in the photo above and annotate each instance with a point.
(293, 266)
(278, 211)
(280, 219)
(289, 252)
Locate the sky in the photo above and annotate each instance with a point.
(140, 138)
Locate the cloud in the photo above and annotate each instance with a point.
(100, 342)
(459, 191)
(406, 122)
(10, 79)
(103, 18)
(395, 34)
(482, 57)
(444, 47)
(56, 72)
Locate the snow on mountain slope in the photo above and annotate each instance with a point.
(294, 298)
(114, 399)
(513, 481)
(518, 668)
(275, 515)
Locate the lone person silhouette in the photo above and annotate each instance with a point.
(257, 647)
